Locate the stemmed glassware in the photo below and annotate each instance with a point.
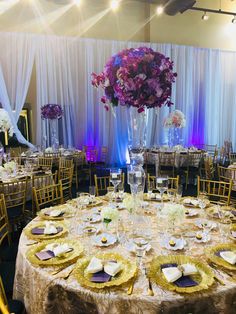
(162, 186)
(92, 193)
(115, 177)
(141, 240)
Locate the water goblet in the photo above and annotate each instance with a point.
(141, 240)
(171, 195)
(115, 177)
(92, 193)
(179, 193)
(162, 186)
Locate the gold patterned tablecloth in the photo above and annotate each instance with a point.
(44, 293)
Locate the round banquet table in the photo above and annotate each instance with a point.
(43, 292)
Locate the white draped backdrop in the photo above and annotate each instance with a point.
(205, 90)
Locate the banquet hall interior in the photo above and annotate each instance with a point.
(117, 156)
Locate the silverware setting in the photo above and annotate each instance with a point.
(150, 290)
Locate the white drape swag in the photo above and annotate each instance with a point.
(16, 64)
(205, 90)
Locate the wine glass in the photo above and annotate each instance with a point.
(141, 240)
(171, 194)
(162, 186)
(136, 176)
(92, 192)
(115, 177)
(179, 193)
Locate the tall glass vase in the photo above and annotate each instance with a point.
(53, 126)
(136, 135)
(174, 137)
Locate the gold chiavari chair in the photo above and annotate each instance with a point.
(39, 181)
(194, 165)
(166, 163)
(209, 169)
(173, 183)
(232, 158)
(217, 191)
(45, 162)
(101, 184)
(65, 163)
(224, 173)
(9, 306)
(81, 167)
(4, 223)
(15, 199)
(48, 196)
(3, 299)
(65, 178)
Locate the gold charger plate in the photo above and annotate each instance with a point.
(42, 237)
(232, 228)
(128, 271)
(210, 253)
(66, 258)
(228, 217)
(68, 213)
(208, 203)
(97, 202)
(204, 278)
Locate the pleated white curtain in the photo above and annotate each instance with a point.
(16, 63)
(205, 90)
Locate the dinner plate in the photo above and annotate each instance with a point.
(127, 272)
(66, 258)
(63, 230)
(156, 197)
(204, 278)
(111, 239)
(68, 210)
(233, 232)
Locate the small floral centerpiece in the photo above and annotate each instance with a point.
(131, 203)
(175, 119)
(174, 213)
(9, 167)
(51, 112)
(137, 77)
(5, 122)
(109, 214)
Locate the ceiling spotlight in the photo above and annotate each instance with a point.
(114, 4)
(234, 20)
(160, 10)
(77, 2)
(205, 17)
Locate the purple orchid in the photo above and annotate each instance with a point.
(51, 111)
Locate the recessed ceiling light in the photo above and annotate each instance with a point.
(159, 10)
(114, 5)
(205, 17)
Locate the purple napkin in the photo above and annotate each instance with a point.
(233, 212)
(184, 281)
(40, 231)
(100, 277)
(44, 255)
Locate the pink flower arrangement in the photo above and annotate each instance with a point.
(175, 119)
(51, 111)
(137, 77)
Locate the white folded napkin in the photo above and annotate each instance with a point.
(187, 201)
(171, 273)
(96, 265)
(194, 202)
(229, 257)
(188, 269)
(112, 268)
(56, 212)
(50, 228)
(58, 249)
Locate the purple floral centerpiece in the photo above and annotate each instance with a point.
(137, 77)
(51, 111)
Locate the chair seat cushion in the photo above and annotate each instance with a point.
(7, 272)
(16, 306)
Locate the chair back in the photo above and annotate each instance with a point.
(209, 168)
(3, 299)
(66, 175)
(166, 163)
(101, 184)
(232, 158)
(4, 223)
(15, 151)
(45, 162)
(104, 152)
(65, 163)
(48, 196)
(15, 194)
(194, 159)
(217, 191)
